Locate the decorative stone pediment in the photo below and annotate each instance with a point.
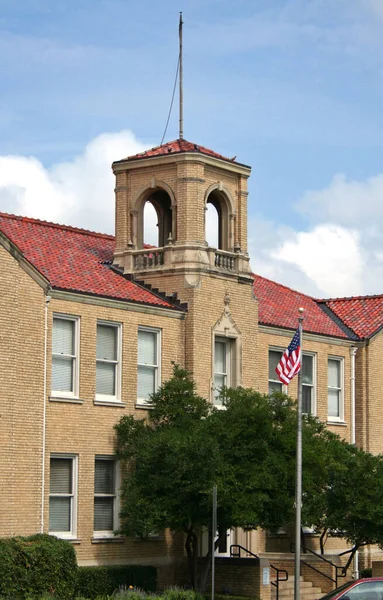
(225, 326)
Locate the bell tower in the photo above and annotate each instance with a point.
(180, 179)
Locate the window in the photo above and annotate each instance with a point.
(62, 496)
(308, 386)
(108, 361)
(64, 356)
(335, 396)
(222, 366)
(275, 385)
(148, 375)
(105, 496)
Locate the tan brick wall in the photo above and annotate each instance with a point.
(373, 395)
(86, 429)
(21, 359)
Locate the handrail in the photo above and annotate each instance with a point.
(277, 580)
(340, 571)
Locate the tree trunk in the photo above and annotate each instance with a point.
(192, 558)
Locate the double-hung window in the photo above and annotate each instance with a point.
(275, 385)
(65, 356)
(108, 362)
(105, 496)
(308, 384)
(148, 367)
(222, 366)
(62, 495)
(335, 389)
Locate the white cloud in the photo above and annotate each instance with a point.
(329, 255)
(344, 201)
(77, 193)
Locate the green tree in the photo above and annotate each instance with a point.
(186, 446)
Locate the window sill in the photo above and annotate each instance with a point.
(109, 403)
(66, 399)
(143, 404)
(340, 423)
(72, 540)
(107, 540)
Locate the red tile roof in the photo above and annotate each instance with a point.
(278, 307)
(178, 147)
(362, 314)
(74, 259)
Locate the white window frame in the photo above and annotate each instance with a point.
(229, 373)
(314, 378)
(118, 362)
(340, 417)
(75, 357)
(276, 380)
(156, 367)
(72, 533)
(116, 497)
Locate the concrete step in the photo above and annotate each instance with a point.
(286, 590)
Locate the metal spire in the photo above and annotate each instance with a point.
(181, 132)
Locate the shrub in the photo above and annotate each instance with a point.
(365, 573)
(36, 566)
(99, 581)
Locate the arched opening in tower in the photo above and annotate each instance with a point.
(157, 219)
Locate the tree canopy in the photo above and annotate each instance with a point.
(185, 446)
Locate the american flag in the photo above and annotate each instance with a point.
(290, 363)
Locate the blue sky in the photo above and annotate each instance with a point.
(294, 88)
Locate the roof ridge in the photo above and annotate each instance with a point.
(286, 287)
(343, 298)
(80, 230)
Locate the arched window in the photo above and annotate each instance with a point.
(155, 217)
(217, 222)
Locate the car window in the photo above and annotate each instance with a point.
(369, 590)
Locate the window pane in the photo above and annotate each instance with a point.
(63, 336)
(147, 348)
(219, 381)
(62, 374)
(334, 373)
(307, 369)
(274, 386)
(106, 342)
(333, 403)
(306, 399)
(104, 477)
(103, 514)
(274, 358)
(220, 357)
(59, 514)
(145, 382)
(61, 475)
(106, 379)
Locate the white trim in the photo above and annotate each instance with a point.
(99, 535)
(276, 380)
(76, 357)
(156, 367)
(340, 417)
(314, 381)
(104, 398)
(229, 373)
(72, 533)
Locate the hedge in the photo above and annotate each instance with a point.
(33, 566)
(95, 581)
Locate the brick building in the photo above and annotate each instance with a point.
(91, 323)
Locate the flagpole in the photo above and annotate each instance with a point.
(181, 131)
(298, 485)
